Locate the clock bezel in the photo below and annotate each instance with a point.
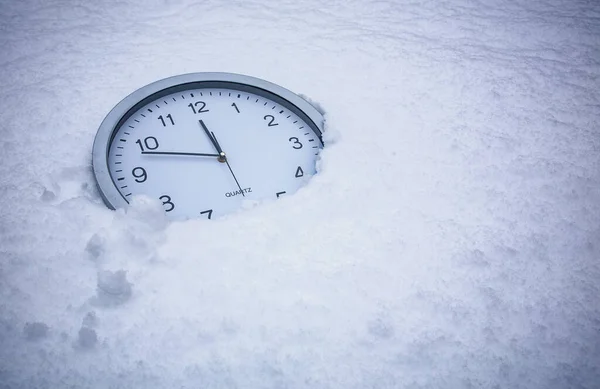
(142, 96)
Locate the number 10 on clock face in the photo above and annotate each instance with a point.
(203, 151)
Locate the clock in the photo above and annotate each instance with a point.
(206, 144)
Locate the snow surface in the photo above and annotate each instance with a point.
(450, 240)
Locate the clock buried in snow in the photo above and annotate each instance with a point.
(203, 143)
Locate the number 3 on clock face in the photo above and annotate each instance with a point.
(203, 143)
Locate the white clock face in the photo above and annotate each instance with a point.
(203, 151)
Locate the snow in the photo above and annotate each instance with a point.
(450, 238)
(34, 331)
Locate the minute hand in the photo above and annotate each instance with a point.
(179, 153)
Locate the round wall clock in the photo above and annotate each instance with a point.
(203, 143)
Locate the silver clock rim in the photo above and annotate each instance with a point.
(111, 123)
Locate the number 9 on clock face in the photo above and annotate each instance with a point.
(201, 144)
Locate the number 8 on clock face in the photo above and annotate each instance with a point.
(203, 143)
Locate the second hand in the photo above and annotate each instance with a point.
(236, 181)
(223, 156)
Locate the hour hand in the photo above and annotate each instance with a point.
(213, 140)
